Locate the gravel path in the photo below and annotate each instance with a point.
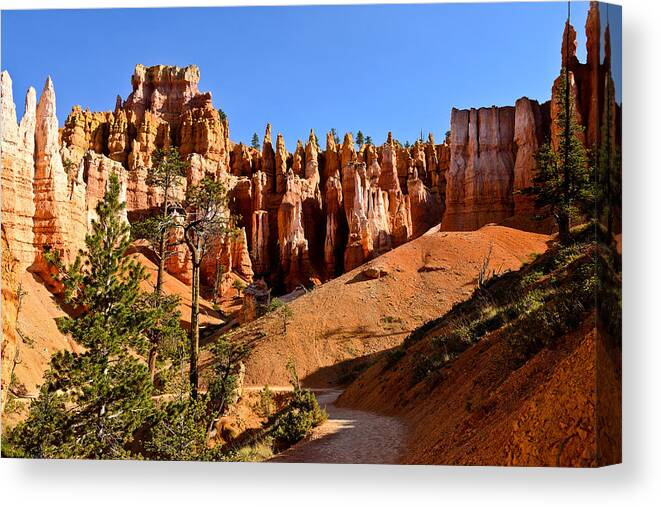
(348, 436)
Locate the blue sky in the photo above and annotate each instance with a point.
(370, 67)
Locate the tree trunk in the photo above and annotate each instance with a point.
(153, 352)
(161, 264)
(194, 326)
(563, 228)
(161, 249)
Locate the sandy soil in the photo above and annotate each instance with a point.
(349, 436)
(41, 337)
(338, 327)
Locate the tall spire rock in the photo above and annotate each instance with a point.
(17, 146)
(528, 136)
(431, 161)
(312, 159)
(60, 220)
(280, 164)
(268, 157)
(569, 46)
(298, 159)
(388, 179)
(335, 218)
(8, 109)
(332, 158)
(355, 186)
(335, 226)
(593, 46)
(294, 254)
(593, 35)
(348, 151)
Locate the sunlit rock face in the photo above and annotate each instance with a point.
(18, 204)
(305, 215)
(479, 180)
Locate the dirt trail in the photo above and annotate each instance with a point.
(348, 436)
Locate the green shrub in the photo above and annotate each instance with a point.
(301, 414)
(393, 356)
(424, 365)
(297, 419)
(261, 450)
(266, 404)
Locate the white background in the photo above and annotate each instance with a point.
(636, 482)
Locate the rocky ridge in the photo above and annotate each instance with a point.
(306, 216)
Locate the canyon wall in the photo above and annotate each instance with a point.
(305, 216)
(492, 159)
(9, 344)
(492, 150)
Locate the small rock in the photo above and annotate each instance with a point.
(374, 272)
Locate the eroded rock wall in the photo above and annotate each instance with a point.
(311, 214)
(492, 150)
(17, 144)
(479, 180)
(304, 216)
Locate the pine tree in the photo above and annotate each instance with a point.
(563, 178)
(93, 401)
(43, 433)
(226, 375)
(336, 137)
(164, 174)
(179, 431)
(255, 142)
(360, 139)
(208, 217)
(368, 140)
(166, 332)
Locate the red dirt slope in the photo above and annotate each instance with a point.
(524, 393)
(354, 316)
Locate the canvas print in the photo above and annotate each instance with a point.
(383, 234)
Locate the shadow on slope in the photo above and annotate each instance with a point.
(341, 321)
(510, 376)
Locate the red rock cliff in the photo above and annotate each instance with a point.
(311, 214)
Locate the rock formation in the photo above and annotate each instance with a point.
(311, 214)
(18, 204)
(479, 181)
(588, 81)
(9, 341)
(492, 150)
(528, 137)
(308, 215)
(59, 193)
